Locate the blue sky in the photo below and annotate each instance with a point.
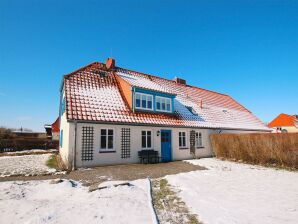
(247, 49)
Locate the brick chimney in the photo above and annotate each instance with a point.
(110, 63)
(179, 80)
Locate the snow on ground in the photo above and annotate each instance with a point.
(41, 202)
(31, 151)
(25, 165)
(237, 193)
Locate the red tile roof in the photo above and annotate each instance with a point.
(93, 94)
(283, 120)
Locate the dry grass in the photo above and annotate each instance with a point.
(265, 149)
(169, 207)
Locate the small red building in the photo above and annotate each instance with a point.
(285, 123)
(53, 130)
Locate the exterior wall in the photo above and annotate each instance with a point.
(66, 150)
(109, 158)
(55, 135)
(290, 129)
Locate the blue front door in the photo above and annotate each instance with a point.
(166, 145)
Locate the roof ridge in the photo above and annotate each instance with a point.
(81, 68)
(145, 74)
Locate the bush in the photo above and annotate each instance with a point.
(265, 149)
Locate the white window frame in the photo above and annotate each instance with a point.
(184, 146)
(166, 98)
(107, 149)
(146, 139)
(143, 94)
(198, 139)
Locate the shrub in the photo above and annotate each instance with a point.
(258, 148)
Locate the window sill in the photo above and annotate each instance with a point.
(201, 147)
(183, 148)
(110, 151)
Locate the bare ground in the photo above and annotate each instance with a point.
(97, 175)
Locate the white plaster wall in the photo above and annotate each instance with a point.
(66, 151)
(115, 157)
(55, 135)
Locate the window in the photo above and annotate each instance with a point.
(107, 139)
(146, 139)
(199, 141)
(182, 139)
(144, 101)
(163, 104)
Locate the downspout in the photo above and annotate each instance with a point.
(75, 148)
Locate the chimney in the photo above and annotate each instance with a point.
(179, 80)
(110, 63)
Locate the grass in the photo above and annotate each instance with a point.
(277, 150)
(52, 162)
(169, 207)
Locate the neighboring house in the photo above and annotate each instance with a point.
(284, 123)
(52, 130)
(108, 114)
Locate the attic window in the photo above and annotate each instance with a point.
(225, 111)
(191, 110)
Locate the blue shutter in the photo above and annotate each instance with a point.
(61, 138)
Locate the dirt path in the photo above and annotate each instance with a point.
(117, 172)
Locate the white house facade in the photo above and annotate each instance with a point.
(108, 114)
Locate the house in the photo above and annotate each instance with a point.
(52, 130)
(284, 123)
(108, 114)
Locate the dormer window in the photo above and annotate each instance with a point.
(144, 101)
(163, 104)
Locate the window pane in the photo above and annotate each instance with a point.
(184, 143)
(103, 143)
(143, 101)
(103, 132)
(110, 131)
(158, 105)
(148, 132)
(180, 142)
(138, 100)
(143, 141)
(149, 141)
(149, 106)
(110, 142)
(168, 107)
(143, 132)
(163, 104)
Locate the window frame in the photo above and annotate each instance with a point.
(185, 136)
(143, 94)
(106, 149)
(197, 137)
(146, 130)
(166, 98)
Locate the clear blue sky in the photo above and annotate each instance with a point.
(247, 49)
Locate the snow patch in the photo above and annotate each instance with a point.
(231, 192)
(27, 165)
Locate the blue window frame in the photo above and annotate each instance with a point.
(163, 104)
(144, 101)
